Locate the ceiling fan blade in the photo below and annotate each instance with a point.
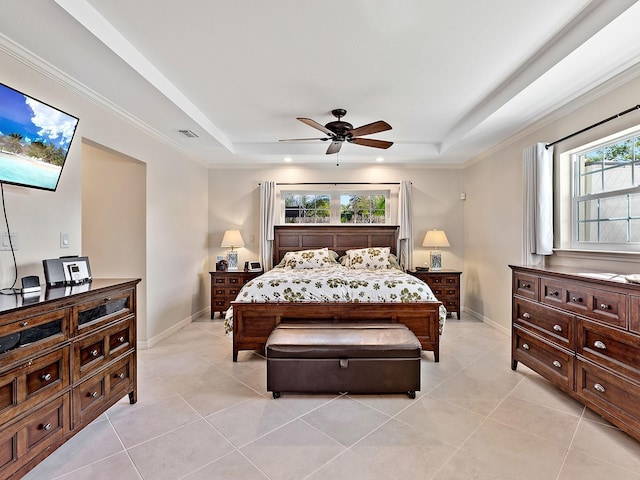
(375, 127)
(316, 125)
(334, 147)
(370, 142)
(302, 139)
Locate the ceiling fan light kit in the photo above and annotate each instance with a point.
(339, 131)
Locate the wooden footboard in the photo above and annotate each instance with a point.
(253, 322)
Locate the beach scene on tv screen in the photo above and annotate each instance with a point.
(34, 140)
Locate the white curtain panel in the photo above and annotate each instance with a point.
(538, 203)
(405, 218)
(267, 220)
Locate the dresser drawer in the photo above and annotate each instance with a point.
(553, 363)
(525, 285)
(97, 393)
(96, 350)
(610, 394)
(634, 313)
(41, 430)
(443, 291)
(228, 280)
(33, 382)
(30, 335)
(601, 305)
(441, 280)
(609, 347)
(451, 304)
(552, 324)
(95, 313)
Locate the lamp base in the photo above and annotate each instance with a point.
(435, 260)
(232, 260)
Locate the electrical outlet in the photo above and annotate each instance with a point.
(4, 241)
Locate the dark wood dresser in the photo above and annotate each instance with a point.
(445, 285)
(66, 356)
(225, 286)
(581, 331)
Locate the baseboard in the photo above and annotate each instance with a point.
(149, 343)
(488, 321)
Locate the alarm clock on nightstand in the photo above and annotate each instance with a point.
(252, 267)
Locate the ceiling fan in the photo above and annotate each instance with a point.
(340, 131)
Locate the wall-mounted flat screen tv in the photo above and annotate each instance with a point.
(34, 140)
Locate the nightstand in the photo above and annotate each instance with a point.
(225, 286)
(445, 285)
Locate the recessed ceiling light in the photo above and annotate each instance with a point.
(379, 159)
(288, 159)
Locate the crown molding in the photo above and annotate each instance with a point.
(39, 65)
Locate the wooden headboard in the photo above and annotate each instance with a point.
(339, 238)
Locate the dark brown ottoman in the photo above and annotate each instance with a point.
(354, 358)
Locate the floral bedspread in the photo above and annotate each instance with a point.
(334, 284)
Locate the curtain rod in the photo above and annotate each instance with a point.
(592, 126)
(339, 183)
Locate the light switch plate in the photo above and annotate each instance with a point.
(4, 241)
(64, 240)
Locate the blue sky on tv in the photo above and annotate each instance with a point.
(34, 120)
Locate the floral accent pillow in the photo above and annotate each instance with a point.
(370, 258)
(308, 259)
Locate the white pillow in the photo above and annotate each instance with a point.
(308, 259)
(370, 258)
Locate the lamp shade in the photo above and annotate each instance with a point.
(232, 238)
(435, 238)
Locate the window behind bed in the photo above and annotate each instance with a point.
(336, 206)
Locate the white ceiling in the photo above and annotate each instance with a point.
(454, 78)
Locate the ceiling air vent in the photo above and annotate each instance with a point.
(188, 133)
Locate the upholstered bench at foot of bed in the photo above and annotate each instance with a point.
(354, 358)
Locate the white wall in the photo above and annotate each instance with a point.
(234, 201)
(114, 199)
(176, 206)
(493, 210)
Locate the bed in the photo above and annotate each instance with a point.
(254, 313)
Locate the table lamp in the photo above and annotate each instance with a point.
(434, 239)
(232, 239)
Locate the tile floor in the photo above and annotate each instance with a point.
(201, 416)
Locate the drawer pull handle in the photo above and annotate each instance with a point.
(557, 364)
(526, 285)
(604, 306)
(120, 375)
(599, 344)
(46, 377)
(526, 315)
(554, 294)
(576, 299)
(107, 299)
(24, 324)
(94, 353)
(557, 328)
(599, 388)
(525, 346)
(121, 339)
(46, 426)
(93, 394)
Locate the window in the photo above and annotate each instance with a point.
(335, 206)
(358, 208)
(307, 208)
(606, 195)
